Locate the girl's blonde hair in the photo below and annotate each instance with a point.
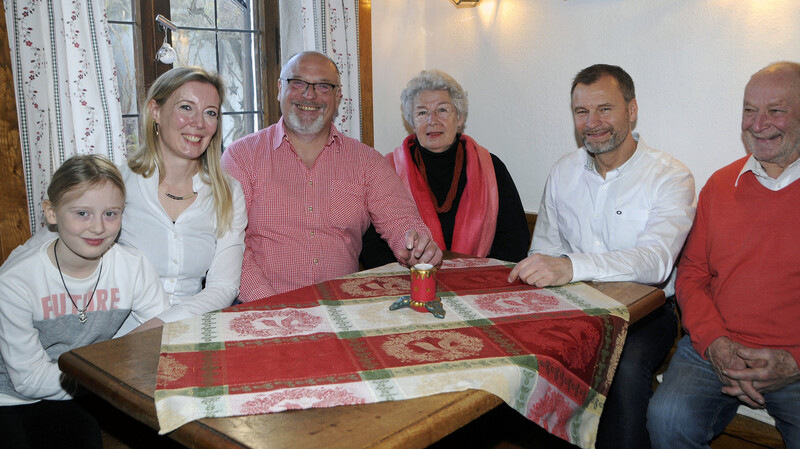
(147, 157)
(81, 173)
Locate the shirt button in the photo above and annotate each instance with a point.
(311, 183)
(175, 236)
(597, 243)
(172, 281)
(316, 261)
(311, 233)
(175, 261)
(310, 208)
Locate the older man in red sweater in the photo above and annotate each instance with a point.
(738, 283)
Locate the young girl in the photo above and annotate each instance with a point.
(72, 290)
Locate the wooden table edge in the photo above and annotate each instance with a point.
(139, 405)
(652, 301)
(466, 406)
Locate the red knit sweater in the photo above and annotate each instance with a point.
(740, 272)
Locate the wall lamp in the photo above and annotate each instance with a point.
(465, 3)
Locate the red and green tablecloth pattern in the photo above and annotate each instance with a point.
(548, 353)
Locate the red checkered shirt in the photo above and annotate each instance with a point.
(305, 224)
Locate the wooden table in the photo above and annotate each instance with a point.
(123, 372)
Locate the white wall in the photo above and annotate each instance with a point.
(689, 59)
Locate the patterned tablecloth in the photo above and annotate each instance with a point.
(548, 353)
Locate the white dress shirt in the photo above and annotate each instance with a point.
(629, 226)
(789, 175)
(188, 251)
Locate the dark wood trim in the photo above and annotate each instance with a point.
(138, 53)
(269, 23)
(530, 217)
(365, 70)
(747, 433)
(14, 223)
(151, 38)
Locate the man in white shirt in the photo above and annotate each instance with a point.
(615, 210)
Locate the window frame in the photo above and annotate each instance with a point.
(148, 39)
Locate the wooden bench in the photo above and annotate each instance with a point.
(748, 433)
(530, 217)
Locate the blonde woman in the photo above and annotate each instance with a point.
(183, 212)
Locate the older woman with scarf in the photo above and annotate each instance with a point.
(465, 194)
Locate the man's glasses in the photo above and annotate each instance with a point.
(301, 86)
(442, 112)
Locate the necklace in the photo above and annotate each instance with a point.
(81, 312)
(451, 193)
(179, 198)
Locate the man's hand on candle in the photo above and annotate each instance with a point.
(419, 248)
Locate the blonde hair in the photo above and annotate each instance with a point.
(81, 173)
(147, 157)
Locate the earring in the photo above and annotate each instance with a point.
(155, 127)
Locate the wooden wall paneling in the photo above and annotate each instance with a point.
(365, 70)
(149, 39)
(14, 224)
(269, 15)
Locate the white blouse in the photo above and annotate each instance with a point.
(186, 253)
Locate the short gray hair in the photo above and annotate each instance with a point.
(433, 80)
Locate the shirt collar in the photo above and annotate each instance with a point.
(788, 176)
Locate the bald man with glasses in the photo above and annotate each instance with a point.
(311, 191)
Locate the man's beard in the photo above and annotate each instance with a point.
(299, 127)
(616, 139)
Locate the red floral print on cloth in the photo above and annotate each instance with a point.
(552, 412)
(572, 341)
(372, 287)
(300, 398)
(274, 323)
(516, 303)
(416, 347)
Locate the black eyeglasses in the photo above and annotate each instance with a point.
(301, 86)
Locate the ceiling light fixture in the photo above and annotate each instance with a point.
(465, 3)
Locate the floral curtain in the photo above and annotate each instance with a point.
(331, 27)
(66, 88)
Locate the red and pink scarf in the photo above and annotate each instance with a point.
(476, 218)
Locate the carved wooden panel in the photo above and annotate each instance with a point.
(14, 227)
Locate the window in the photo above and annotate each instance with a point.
(123, 32)
(224, 36)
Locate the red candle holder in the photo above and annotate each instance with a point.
(423, 286)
